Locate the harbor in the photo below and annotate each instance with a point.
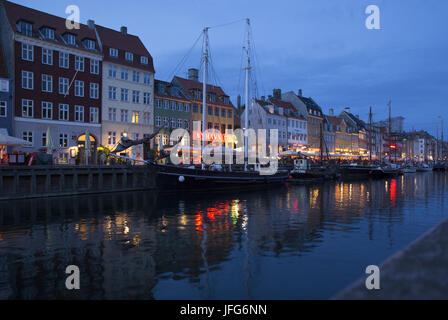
(288, 242)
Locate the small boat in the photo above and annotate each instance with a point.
(355, 170)
(440, 166)
(303, 172)
(424, 168)
(409, 169)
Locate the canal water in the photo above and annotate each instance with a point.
(290, 242)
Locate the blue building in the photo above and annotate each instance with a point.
(6, 109)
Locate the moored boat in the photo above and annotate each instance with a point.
(424, 167)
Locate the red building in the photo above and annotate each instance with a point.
(57, 81)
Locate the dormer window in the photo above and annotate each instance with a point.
(226, 100)
(113, 52)
(48, 33)
(129, 56)
(89, 44)
(70, 39)
(144, 60)
(25, 28)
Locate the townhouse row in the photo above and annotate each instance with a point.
(63, 87)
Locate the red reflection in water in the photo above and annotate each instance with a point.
(393, 192)
(212, 212)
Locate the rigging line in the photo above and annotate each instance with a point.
(257, 62)
(227, 24)
(184, 58)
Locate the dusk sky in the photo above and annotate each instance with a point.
(320, 46)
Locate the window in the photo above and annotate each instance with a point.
(180, 106)
(113, 72)
(63, 85)
(28, 136)
(47, 56)
(79, 113)
(3, 109)
(44, 139)
(124, 115)
(209, 125)
(166, 104)
(47, 83)
(135, 117)
(94, 66)
(94, 90)
(124, 74)
(79, 63)
(112, 114)
(173, 123)
(27, 108)
(158, 103)
(64, 61)
(179, 123)
(229, 114)
(210, 111)
(89, 44)
(63, 140)
(186, 124)
(187, 107)
(112, 138)
(113, 52)
(79, 88)
(158, 121)
(129, 56)
(27, 52)
(223, 113)
(27, 80)
(217, 112)
(112, 93)
(195, 107)
(125, 95)
(165, 122)
(63, 112)
(173, 105)
(147, 78)
(146, 118)
(146, 98)
(136, 76)
(94, 115)
(48, 33)
(135, 96)
(70, 39)
(144, 60)
(25, 28)
(47, 110)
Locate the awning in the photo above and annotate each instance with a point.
(6, 140)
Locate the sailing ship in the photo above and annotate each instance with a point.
(177, 177)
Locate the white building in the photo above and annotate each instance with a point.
(127, 91)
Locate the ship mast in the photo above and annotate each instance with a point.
(390, 130)
(248, 67)
(370, 136)
(204, 90)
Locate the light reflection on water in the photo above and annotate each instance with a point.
(291, 242)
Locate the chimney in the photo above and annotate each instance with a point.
(347, 109)
(331, 112)
(300, 92)
(277, 94)
(124, 30)
(193, 74)
(91, 24)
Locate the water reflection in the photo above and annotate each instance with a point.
(286, 243)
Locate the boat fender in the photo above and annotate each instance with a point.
(181, 179)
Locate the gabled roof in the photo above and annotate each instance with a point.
(41, 19)
(168, 92)
(126, 43)
(188, 85)
(335, 121)
(311, 104)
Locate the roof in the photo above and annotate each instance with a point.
(188, 85)
(126, 43)
(359, 124)
(311, 104)
(167, 92)
(40, 19)
(3, 72)
(335, 120)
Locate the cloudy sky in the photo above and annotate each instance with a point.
(319, 46)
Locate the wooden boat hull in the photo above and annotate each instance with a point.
(179, 178)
